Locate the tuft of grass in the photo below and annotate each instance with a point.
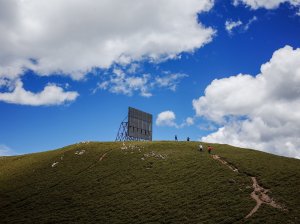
(144, 182)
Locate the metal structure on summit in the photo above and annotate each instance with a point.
(137, 126)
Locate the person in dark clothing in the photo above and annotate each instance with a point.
(176, 138)
(188, 139)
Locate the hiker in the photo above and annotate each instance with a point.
(209, 149)
(188, 139)
(200, 148)
(176, 138)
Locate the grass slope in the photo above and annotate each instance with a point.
(147, 182)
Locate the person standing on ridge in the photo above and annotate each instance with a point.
(188, 139)
(209, 149)
(200, 148)
(176, 138)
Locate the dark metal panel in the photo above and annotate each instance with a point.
(139, 124)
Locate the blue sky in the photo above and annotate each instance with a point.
(68, 72)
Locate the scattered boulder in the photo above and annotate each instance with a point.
(123, 147)
(131, 148)
(84, 142)
(80, 152)
(154, 155)
(54, 164)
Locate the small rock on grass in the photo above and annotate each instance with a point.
(54, 164)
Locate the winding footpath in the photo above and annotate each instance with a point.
(102, 156)
(259, 194)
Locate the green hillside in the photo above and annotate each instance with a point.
(147, 182)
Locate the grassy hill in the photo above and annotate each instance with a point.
(146, 182)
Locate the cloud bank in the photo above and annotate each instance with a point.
(267, 4)
(260, 112)
(71, 37)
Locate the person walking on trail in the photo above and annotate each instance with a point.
(176, 138)
(200, 148)
(209, 149)
(188, 139)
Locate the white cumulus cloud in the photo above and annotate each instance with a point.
(166, 118)
(230, 25)
(128, 81)
(261, 112)
(169, 81)
(71, 37)
(268, 4)
(51, 95)
(189, 121)
(249, 23)
(120, 83)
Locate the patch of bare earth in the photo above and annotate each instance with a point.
(259, 194)
(102, 157)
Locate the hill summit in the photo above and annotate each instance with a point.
(149, 182)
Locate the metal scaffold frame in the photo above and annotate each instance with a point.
(123, 132)
(136, 126)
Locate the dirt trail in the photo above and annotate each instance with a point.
(102, 157)
(259, 194)
(234, 169)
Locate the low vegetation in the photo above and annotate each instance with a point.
(145, 182)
